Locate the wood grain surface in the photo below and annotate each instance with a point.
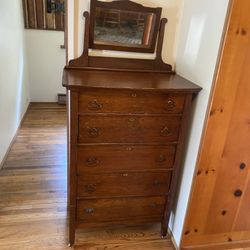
(75, 78)
(33, 194)
(37, 17)
(219, 215)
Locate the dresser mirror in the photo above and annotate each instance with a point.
(124, 26)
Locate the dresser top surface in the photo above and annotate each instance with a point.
(87, 78)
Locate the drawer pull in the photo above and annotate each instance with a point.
(89, 210)
(90, 188)
(170, 104)
(153, 205)
(161, 159)
(132, 119)
(125, 175)
(92, 161)
(134, 95)
(94, 105)
(93, 132)
(157, 183)
(165, 131)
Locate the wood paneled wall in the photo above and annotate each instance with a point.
(37, 17)
(219, 211)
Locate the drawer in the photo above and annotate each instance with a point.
(101, 210)
(130, 101)
(92, 159)
(123, 184)
(128, 129)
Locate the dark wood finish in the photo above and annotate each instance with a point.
(108, 79)
(36, 16)
(138, 102)
(40, 14)
(33, 193)
(31, 14)
(123, 184)
(25, 14)
(120, 150)
(127, 123)
(131, 158)
(59, 17)
(128, 129)
(218, 215)
(141, 65)
(99, 210)
(127, 6)
(72, 178)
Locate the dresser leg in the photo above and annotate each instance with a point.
(164, 230)
(71, 238)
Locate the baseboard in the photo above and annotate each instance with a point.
(14, 137)
(173, 239)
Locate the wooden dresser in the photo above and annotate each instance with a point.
(126, 134)
(127, 121)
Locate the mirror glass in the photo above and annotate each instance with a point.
(123, 28)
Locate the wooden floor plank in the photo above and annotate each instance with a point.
(33, 193)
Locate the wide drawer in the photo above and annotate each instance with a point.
(128, 129)
(130, 101)
(101, 210)
(123, 184)
(92, 159)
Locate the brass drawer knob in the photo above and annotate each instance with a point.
(170, 105)
(165, 131)
(93, 132)
(125, 175)
(89, 210)
(94, 105)
(133, 120)
(134, 95)
(153, 205)
(157, 183)
(90, 188)
(92, 161)
(161, 159)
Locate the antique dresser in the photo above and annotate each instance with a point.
(127, 121)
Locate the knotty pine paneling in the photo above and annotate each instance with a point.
(219, 211)
(37, 17)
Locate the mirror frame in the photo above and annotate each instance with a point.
(126, 5)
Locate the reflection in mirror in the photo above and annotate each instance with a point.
(125, 28)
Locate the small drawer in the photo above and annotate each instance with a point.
(123, 184)
(92, 159)
(130, 101)
(128, 129)
(104, 210)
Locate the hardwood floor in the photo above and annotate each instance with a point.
(33, 195)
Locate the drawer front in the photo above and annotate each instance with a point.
(125, 101)
(92, 159)
(101, 210)
(123, 184)
(128, 129)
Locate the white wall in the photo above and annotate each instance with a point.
(200, 32)
(14, 82)
(46, 62)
